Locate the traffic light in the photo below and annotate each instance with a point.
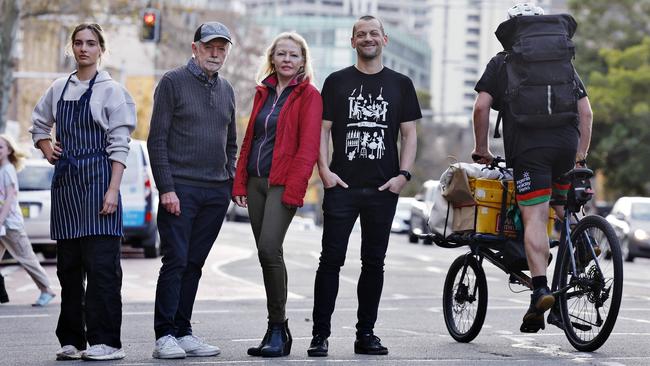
(150, 25)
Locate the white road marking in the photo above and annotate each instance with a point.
(634, 320)
(255, 290)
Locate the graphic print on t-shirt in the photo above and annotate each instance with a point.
(370, 114)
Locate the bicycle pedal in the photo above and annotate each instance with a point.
(582, 327)
(514, 280)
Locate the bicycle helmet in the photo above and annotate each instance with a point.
(524, 9)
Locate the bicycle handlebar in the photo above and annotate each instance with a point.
(494, 164)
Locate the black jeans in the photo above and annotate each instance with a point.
(185, 242)
(93, 313)
(341, 208)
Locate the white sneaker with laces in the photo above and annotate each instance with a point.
(167, 348)
(196, 347)
(68, 352)
(102, 352)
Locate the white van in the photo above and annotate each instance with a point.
(140, 201)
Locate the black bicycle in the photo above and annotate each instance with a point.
(587, 280)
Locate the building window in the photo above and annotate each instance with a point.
(470, 96)
(474, 18)
(471, 44)
(470, 83)
(473, 31)
(472, 57)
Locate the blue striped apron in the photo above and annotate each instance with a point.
(82, 174)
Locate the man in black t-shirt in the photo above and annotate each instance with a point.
(538, 156)
(365, 108)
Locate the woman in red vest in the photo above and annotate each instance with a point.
(276, 161)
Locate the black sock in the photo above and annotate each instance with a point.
(539, 282)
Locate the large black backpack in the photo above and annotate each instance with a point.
(542, 90)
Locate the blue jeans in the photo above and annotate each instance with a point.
(341, 208)
(185, 242)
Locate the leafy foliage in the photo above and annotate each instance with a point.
(621, 104)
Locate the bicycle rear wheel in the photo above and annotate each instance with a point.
(464, 298)
(590, 307)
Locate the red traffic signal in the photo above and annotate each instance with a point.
(149, 19)
(150, 31)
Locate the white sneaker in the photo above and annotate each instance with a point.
(68, 352)
(196, 347)
(102, 352)
(167, 347)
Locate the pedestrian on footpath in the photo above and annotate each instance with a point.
(365, 107)
(94, 117)
(12, 226)
(192, 146)
(276, 161)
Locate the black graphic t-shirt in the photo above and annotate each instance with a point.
(366, 111)
(517, 139)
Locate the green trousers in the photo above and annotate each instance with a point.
(270, 220)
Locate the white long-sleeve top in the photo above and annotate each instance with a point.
(111, 105)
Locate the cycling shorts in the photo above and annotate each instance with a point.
(537, 173)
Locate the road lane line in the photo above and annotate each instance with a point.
(237, 254)
(15, 316)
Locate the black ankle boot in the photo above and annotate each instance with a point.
(279, 341)
(257, 351)
(3, 292)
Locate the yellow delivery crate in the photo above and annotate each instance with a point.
(489, 195)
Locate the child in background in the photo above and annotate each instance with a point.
(12, 227)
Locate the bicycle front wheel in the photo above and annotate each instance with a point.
(590, 306)
(464, 298)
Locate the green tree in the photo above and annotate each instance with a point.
(607, 24)
(621, 103)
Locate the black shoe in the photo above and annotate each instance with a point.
(3, 292)
(541, 300)
(555, 318)
(257, 351)
(369, 344)
(318, 346)
(279, 341)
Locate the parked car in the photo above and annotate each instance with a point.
(630, 218)
(420, 211)
(34, 182)
(140, 201)
(402, 218)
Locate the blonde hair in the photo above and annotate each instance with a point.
(267, 67)
(16, 156)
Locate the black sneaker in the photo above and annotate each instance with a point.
(369, 344)
(318, 346)
(541, 300)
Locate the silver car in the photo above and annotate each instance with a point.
(34, 182)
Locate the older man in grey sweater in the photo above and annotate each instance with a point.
(192, 144)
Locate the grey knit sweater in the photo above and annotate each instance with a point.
(192, 137)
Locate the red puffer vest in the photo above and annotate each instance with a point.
(297, 141)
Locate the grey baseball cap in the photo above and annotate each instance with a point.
(209, 31)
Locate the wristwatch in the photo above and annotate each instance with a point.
(406, 174)
(580, 157)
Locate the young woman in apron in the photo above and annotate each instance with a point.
(86, 219)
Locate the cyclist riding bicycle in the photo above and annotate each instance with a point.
(547, 121)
